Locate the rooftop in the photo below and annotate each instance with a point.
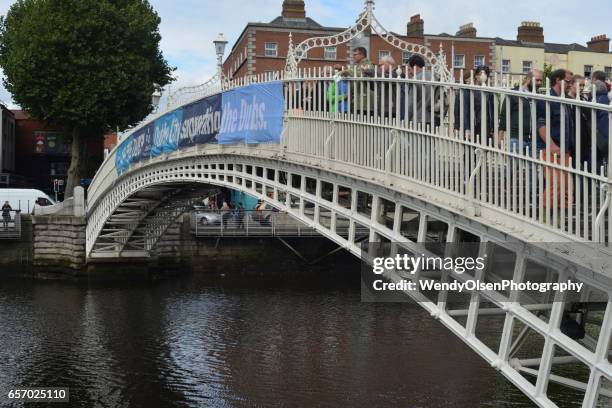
(282, 22)
(20, 114)
(553, 48)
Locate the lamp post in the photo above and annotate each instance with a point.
(220, 43)
(155, 97)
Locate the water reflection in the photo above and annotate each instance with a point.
(205, 341)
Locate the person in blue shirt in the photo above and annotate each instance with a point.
(552, 152)
(338, 93)
(556, 79)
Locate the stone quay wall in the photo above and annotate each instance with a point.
(59, 242)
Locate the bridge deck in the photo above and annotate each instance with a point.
(253, 223)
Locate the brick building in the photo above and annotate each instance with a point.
(7, 140)
(262, 47)
(464, 50)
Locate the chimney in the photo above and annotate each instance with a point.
(294, 9)
(467, 30)
(531, 32)
(599, 43)
(416, 27)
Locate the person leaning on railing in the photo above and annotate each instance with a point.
(481, 76)
(363, 68)
(386, 92)
(601, 90)
(583, 124)
(550, 151)
(513, 112)
(417, 70)
(337, 93)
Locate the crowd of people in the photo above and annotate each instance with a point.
(577, 130)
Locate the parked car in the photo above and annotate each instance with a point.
(210, 217)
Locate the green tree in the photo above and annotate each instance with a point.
(85, 65)
(548, 69)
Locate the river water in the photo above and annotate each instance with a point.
(221, 341)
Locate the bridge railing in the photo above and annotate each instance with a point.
(259, 223)
(543, 157)
(526, 152)
(248, 223)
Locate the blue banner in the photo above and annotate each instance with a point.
(146, 142)
(201, 122)
(252, 114)
(120, 164)
(166, 133)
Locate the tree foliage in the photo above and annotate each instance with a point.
(85, 65)
(546, 73)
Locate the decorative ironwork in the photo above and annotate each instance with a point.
(366, 20)
(213, 85)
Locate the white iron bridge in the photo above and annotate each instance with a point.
(409, 157)
(408, 182)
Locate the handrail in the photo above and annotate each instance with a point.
(257, 223)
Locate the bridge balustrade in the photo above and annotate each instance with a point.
(490, 145)
(256, 223)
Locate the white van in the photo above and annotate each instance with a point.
(24, 198)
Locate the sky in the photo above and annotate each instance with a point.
(188, 27)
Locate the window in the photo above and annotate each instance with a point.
(329, 53)
(405, 57)
(271, 49)
(608, 71)
(383, 53)
(505, 68)
(479, 60)
(459, 61)
(587, 71)
(526, 67)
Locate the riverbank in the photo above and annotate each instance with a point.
(53, 247)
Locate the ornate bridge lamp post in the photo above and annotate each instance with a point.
(156, 97)
(220, 43)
